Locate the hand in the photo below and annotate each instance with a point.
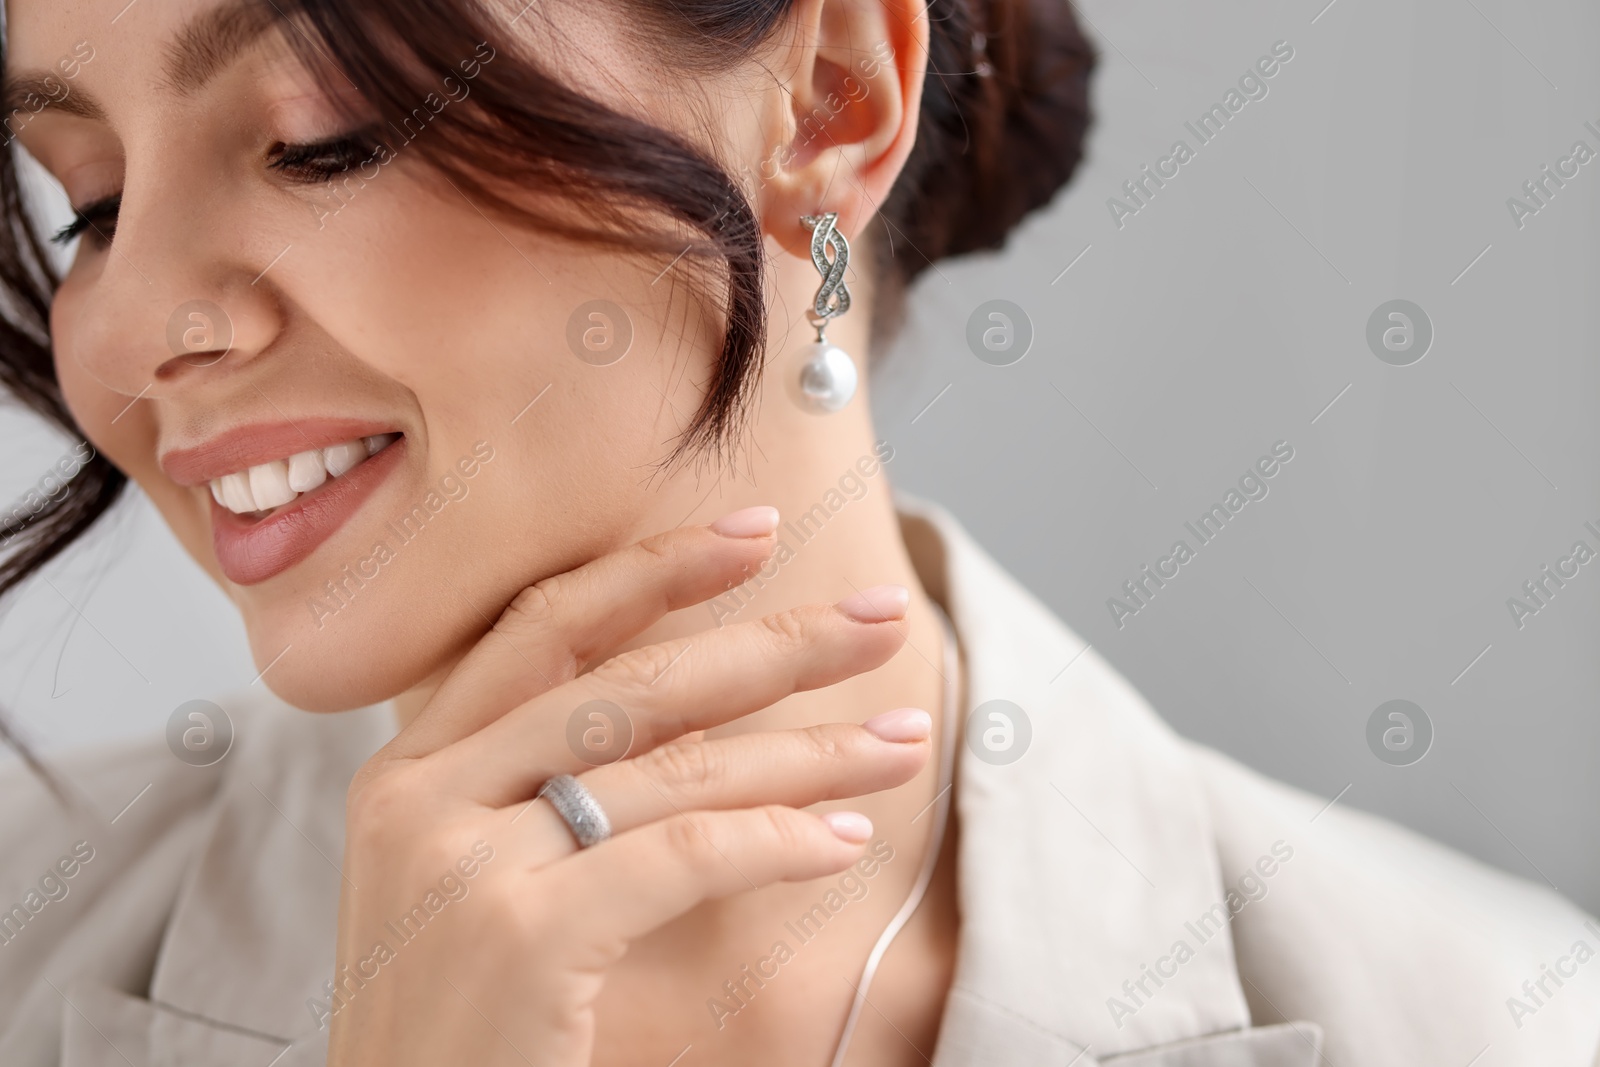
(471, 927)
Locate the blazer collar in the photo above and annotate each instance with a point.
(1083, 863)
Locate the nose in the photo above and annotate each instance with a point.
(178, 300)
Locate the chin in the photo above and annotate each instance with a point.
(371, 651)
(342, 630)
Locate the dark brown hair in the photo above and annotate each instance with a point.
(1003, 116)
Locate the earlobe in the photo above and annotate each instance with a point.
(852, 83)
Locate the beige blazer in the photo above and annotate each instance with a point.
(1127, 898)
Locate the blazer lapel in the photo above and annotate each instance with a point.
(251, 937)
(1084, 864)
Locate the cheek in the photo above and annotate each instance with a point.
(575, 364)
(471, 320)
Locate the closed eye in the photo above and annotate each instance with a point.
(318, 161)
(322, 161)
(99, 219)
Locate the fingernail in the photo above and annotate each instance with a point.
(747, 522)
(902, 724)
(849, 826)
(878, 604)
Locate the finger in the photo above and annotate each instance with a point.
(691, 859)
(794, 768)
(660, 692)
(555, 627)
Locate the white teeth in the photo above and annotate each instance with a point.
(341, 457)
(269, 485)
(236, 493)
(306, 471)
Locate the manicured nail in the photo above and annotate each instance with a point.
(748, 522)
(849, 826)
(878, 604)
(902, 724)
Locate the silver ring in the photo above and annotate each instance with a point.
(577, 806)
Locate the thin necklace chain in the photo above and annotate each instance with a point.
(941, 820)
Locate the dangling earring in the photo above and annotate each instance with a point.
(827, 378)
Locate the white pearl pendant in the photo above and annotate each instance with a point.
(827, 378)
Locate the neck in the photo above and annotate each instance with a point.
(829, 478)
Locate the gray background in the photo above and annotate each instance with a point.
(1228, 314)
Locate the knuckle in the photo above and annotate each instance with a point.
(537, 617)
(784, 826)
(535, 607)
(688, 839)
(787, 629)
(505, 908)
(684, 766)
(830, 745)
(659, 547)
(637, 668)
(378, 805)
(433, 853)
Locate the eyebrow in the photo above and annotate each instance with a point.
(215, 38)
(204, 46)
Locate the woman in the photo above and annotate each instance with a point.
(500, 363)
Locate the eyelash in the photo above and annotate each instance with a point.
(318, 161)
(91, 215)
(322, 161)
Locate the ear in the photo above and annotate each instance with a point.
(852, 76)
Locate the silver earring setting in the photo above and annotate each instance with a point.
(827, 378)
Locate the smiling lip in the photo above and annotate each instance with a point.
(251, 551)
(246, 446)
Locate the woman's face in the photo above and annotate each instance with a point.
(253, 323)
